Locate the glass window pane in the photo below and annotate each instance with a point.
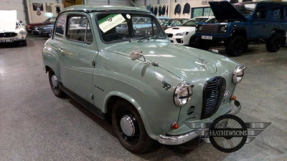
(207, 12)
(197, 12)
(60, 26)
(89, 34)
(76, 29)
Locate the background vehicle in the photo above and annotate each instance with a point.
(182, 34)
(30, 27)
(11, 29)
(263, 22)
(173, 22)
(162, 20)
(44, 30)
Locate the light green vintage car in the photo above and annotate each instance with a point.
(133, 75)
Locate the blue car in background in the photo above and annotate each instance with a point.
(246, 22)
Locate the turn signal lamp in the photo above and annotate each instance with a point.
(175, 125)
(233, 98)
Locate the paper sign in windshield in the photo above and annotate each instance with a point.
(110, 22)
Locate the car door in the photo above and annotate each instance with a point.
(78, 56)
(259, 23)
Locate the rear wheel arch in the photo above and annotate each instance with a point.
(278, 31)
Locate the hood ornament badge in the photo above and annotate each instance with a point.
(202, 62)
(137, 54)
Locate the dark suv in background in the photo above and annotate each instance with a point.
(245, 22)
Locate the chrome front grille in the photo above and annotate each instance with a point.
(210, 29)
(213, 92)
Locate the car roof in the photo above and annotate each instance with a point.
(90, 8)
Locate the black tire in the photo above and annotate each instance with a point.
(24, 42)
(139, 141)
(55, 88)
(274, 43)
(200, 44)
(246, 46)
(235, 46)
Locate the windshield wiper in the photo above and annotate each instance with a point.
(145, 37)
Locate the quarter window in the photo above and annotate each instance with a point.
(277, 14)
(79, 29)
(60, 25)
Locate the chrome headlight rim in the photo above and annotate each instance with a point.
(179, 89)
(238, 72)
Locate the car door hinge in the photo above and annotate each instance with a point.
(93, 63)
(92, 96)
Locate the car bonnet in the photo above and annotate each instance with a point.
(180, 60)
(220, 10)
(8, 20)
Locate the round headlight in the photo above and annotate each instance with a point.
(182, 93)
(238, 74)
(22, 32)
(200, 28)
(222, 29)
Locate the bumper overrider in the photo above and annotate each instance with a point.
(180, 139)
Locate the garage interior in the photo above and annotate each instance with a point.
(36, 125)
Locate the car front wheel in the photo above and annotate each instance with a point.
(55, 84)
(274, 43)
(235, 46)
(129, 128)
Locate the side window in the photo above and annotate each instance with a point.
(60, 26)
(79, 29)
(261, 13)
(277, 14)
(89, 34)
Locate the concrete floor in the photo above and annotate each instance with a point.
(36, 125)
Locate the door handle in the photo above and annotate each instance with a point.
(62, 51)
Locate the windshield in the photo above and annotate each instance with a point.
(125, 26)
(53, 20)
(175, 22)
(47, 20)
(245, 9)
(189, 23)
(200, 19)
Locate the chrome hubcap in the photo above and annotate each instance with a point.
(54, 81)
(127, 125)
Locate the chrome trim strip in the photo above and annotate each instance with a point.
(180, 139)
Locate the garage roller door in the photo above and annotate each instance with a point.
(14, 5)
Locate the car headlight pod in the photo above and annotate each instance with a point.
(182, 93)
(238, 74)
(182, 34)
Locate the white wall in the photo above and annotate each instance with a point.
(34, 18)
(14, 5)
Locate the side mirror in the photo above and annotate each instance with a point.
(136, 55)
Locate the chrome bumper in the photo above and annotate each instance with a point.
(180, 139)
